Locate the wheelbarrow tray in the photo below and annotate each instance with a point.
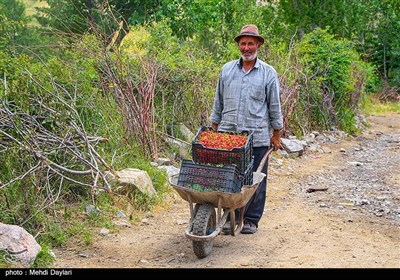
(215, 198)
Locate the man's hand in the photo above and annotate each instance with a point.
(276, 140)
(214, 126)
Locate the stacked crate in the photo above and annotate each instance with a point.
(214, 169)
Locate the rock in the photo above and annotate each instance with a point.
(137, 178)
(293, 146)
(183, 146)
(181, 222)
(91, 209)
(121, 214)
(164, 161)
(104, 231)
(326, 150)
(18, 245)
(356, 163)
(122, 224)
(187, 134)
(171, 170)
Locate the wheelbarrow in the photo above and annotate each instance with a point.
(205, 224)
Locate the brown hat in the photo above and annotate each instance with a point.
(249, 30)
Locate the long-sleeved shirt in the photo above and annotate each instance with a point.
(248, 101)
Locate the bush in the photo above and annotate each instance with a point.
(332, 82)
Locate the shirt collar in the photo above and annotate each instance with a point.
(240, 63)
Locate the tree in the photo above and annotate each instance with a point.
(373, 25)
(13, 21)
(109, 17)
(386, 42)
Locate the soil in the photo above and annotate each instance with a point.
(336, 208)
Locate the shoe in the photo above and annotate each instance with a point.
(226, 229)
(249, 228)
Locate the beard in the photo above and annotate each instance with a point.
(251, 57)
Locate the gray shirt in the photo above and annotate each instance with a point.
(248, 101)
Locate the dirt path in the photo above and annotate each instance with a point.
(355, 223)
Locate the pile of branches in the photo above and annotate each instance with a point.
(54, 153)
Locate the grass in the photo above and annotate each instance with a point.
(372, 105)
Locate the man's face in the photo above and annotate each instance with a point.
(248, 46)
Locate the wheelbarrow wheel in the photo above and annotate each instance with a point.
(204, 224)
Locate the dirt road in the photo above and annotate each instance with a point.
(355, 223)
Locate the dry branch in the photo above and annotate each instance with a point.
(310, 190)
(134, 92)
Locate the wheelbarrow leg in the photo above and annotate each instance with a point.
(240, 221)
(236, 228)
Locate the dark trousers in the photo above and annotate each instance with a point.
(254, 209)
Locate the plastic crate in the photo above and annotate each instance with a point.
(248, 175)
(206, 178)
(240, 156)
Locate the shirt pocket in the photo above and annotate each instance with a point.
(257, 100)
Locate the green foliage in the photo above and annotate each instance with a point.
(65, 15)
(57, 234)
(372, 26)
(187, 78)
(102, 18)
(21, 203)
(333, 70)
(336, 14)
(45, 257)
(211, 23)
(13, 21)
(7, 260)
(17, 36)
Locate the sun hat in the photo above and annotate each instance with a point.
(249, 30)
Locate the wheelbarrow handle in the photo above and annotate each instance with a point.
(264, 159)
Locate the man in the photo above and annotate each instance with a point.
(247, 98)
